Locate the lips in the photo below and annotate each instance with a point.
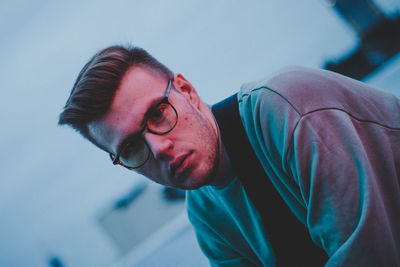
(179, 165)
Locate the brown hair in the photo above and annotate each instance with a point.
(97, 82)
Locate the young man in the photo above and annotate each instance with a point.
(328, 144)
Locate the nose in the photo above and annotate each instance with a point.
(160, 145)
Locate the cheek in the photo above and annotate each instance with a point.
(187, 121)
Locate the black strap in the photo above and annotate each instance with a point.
(289, 238)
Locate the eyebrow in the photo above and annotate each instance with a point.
(155, 102)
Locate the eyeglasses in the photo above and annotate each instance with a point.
(161, 119)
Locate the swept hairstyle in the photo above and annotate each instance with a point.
(93, 91)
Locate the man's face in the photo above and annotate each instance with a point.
(186, 157)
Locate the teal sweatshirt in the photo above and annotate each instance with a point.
(331, 147)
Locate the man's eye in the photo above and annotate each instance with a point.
(128, 149)
(157, 115)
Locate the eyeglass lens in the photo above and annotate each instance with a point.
(161, 121)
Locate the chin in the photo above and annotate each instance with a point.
(198, 176)
(195, 182)
(189, 184)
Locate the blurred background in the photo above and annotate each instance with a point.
(61, 201)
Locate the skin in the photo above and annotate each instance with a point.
(193, 146)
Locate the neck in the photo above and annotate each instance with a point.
(224, 170)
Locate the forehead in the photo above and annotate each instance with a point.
(139, 87)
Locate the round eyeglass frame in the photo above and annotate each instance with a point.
(115, 159)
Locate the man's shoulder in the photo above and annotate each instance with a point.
(284, 80)
(308, 89)
(288, 88)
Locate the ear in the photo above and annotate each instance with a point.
(186, 89)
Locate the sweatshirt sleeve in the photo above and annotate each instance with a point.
(348, 180)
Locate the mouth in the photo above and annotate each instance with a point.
(179, 165)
